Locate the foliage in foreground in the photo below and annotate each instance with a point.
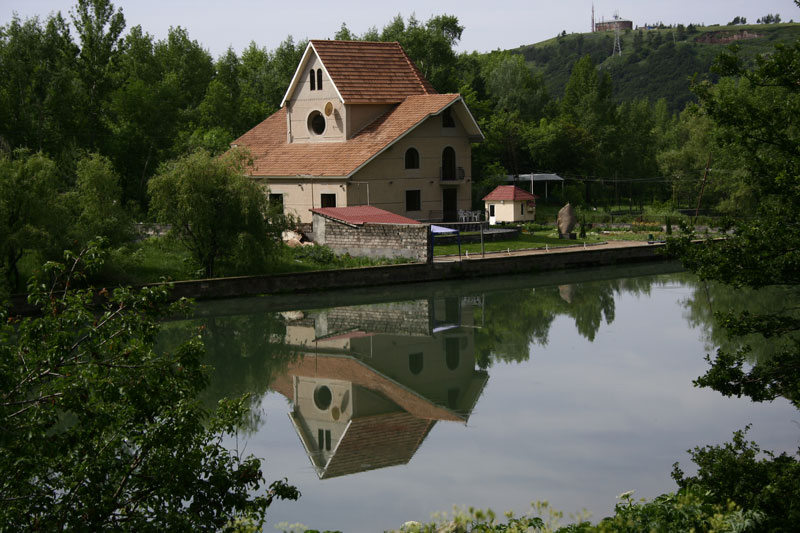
(687, 510)
(101, 432)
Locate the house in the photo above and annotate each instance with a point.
(509, 203)
(360, 125)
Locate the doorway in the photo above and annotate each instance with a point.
(450, 205)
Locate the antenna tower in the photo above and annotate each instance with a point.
(593, 26)
(617, 46)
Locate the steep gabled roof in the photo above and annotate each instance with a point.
(274, 156)
(363, 214)
(365, 72)
(509, 192)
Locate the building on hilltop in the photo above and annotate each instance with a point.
(360, 125)
(613, 25)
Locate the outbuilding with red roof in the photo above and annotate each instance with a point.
(509, 203)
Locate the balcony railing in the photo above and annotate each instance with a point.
(452, 174)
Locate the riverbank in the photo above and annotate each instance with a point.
(444, 268)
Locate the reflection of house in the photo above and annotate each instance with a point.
(374, 380)
(360, 125)
(509, 203)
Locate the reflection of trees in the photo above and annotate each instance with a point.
(513, 320)
(712, 303)
(245, 352)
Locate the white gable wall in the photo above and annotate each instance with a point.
(304, 102)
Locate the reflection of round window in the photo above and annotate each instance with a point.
(316, 122)
(322, 397)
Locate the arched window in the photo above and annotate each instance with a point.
(319, 79)
(313, 80)
(412, 158)
(448, 164)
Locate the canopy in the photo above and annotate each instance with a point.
(441, 230)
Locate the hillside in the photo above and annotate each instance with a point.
(654, 63)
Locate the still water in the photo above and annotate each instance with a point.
(388, 405)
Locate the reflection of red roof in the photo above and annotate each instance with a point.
(509, 192)
(363, 214)
(377, 441)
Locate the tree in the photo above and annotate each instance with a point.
(215, 211)
(99, 201)
(430, 46)
(31, 219)
(101, 432)
(754, 111)
(99, 27)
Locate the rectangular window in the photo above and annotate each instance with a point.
(521, 209)
(491, 210)
(328, 200)
(276, 200)
(413, 200)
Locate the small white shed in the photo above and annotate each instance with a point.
(509, 203)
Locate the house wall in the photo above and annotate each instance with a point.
(509, 211)
(299, 197)
(373, 240)
(388, 179)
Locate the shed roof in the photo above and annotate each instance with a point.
(363, 214)
(509, 192)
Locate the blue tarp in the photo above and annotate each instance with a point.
(442, 229)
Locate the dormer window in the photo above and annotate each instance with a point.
(313, 79)
(412, 158)
(447, 118)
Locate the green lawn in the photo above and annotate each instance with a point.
(523, 241)
(540, 239)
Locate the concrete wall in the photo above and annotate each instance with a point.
(327, 280)
(410, 273)
(409, 241)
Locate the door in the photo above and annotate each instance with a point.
(449, 205)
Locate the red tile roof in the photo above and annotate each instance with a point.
(371, 72)
(377, 441)
(273, 156)
(509, 192)
(363, 214)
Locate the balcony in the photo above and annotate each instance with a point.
(452, 174)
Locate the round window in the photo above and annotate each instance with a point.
(316, 123)
(322, 397)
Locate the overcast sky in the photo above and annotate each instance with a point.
(489, 25)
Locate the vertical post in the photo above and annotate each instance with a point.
(483, 250)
